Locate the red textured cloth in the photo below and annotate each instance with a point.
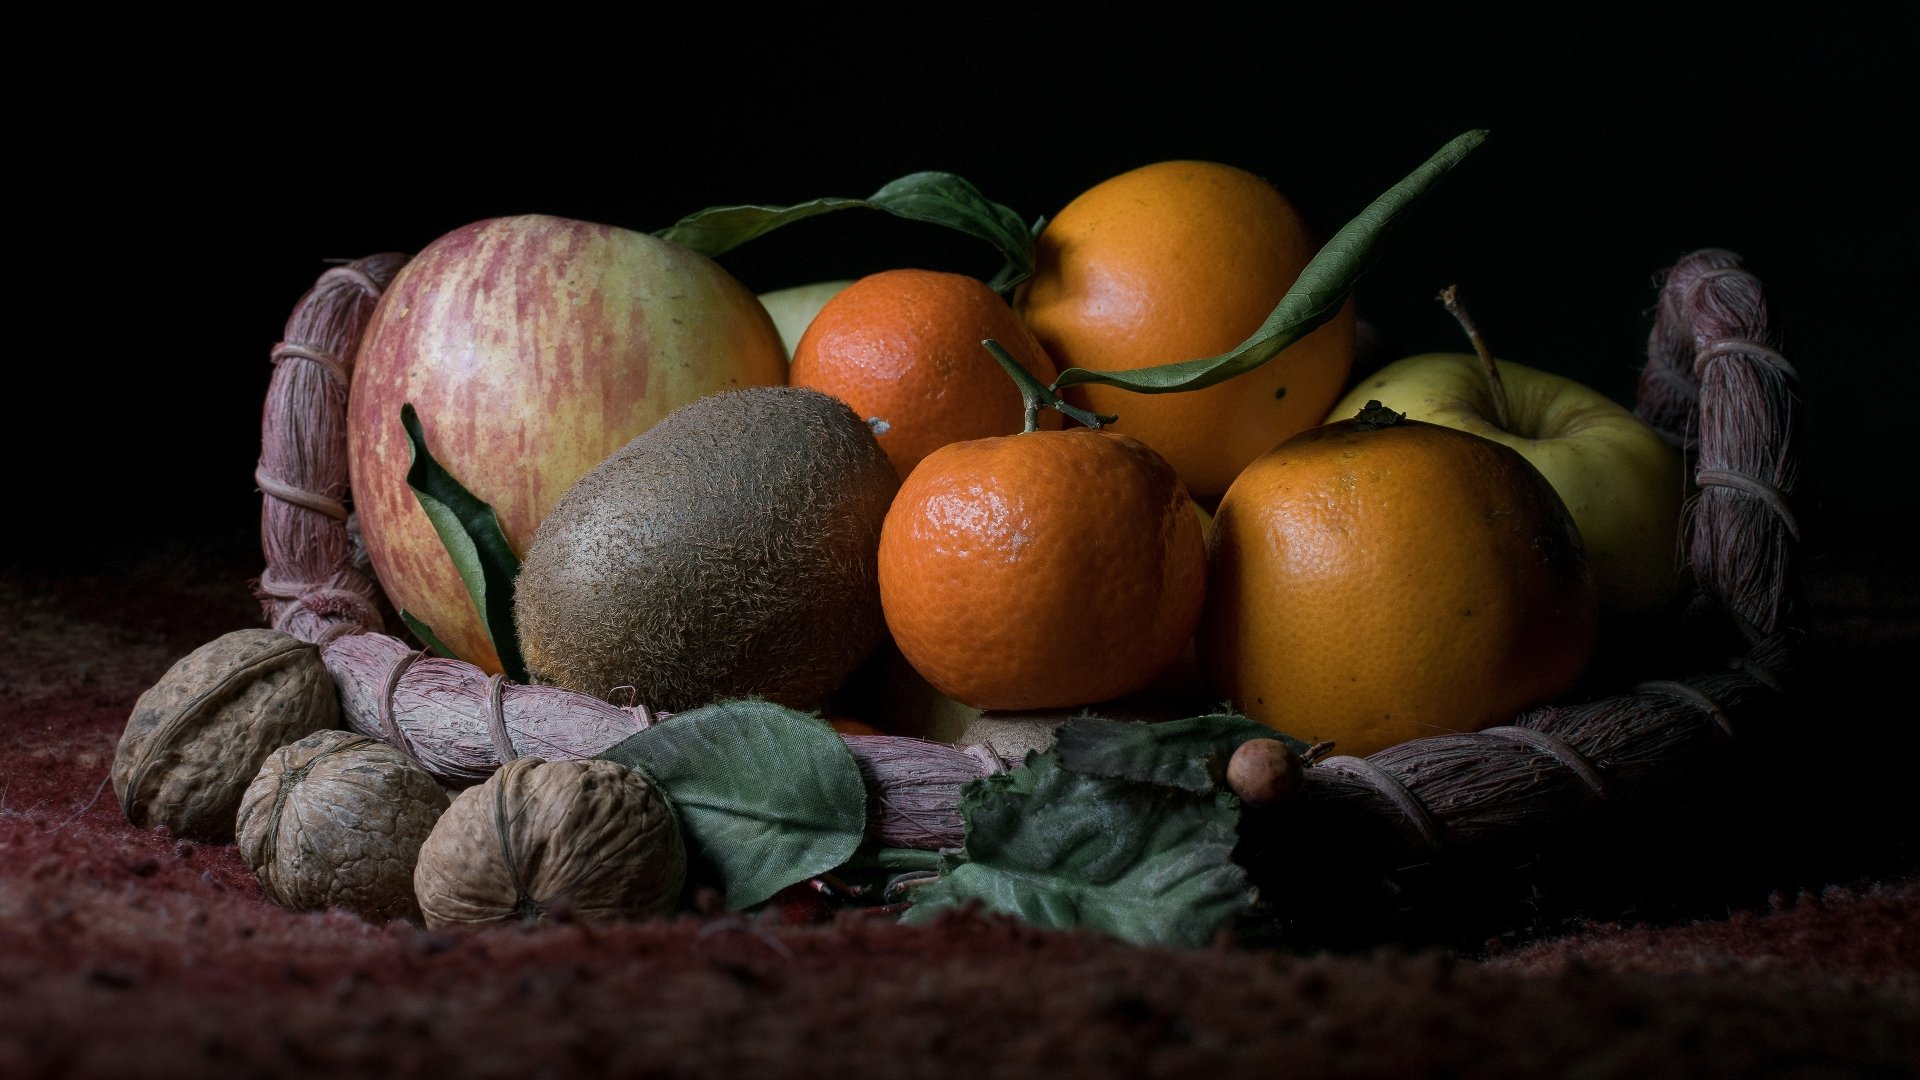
(127, 953)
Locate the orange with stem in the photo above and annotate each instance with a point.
(1043, 569)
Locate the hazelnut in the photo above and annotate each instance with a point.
(1264, 771)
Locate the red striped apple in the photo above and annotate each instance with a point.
(532, 348)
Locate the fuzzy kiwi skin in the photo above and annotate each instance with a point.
(729, 550)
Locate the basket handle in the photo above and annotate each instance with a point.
(317, 584)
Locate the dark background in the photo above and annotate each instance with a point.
(182, 221)
(186, 182)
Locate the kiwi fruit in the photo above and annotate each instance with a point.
(730, 550)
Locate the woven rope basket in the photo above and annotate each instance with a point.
(1715, 385)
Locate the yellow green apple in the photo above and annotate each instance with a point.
(1624, 485)
(793, 308)
(531, 348)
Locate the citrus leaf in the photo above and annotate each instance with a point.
(765, 795)
(938, 198)
(1189, 754)
(426, 635)
(1323, 286)
(1059, 849)
(473, 537)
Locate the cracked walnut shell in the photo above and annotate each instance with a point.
(337, 820)
(588, 838)
(197, 737)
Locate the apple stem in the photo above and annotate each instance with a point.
(1450, 296)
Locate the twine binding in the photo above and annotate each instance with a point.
(353, 275)
(497, 719)
(1775, 499)
(1694, 696)
(1742, 347)
(1559, 750)
(394, 735)
(285, 492)
(1412, 811)
(1759, 673)
(989, 760)
(328, 362)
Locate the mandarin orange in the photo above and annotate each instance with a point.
(903, 348)
(847, 725)
(1042, 570)
(1175, 261)
(1378, 579)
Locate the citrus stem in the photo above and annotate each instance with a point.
(1450, 296)
(1374, 416)
(1034, 396)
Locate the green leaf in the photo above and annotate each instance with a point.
(1189, 754)
(1323, 286)
(765, 795)
(473, 537)
(895, 859)
(1060, 849)
(426, 635)
(937, 198)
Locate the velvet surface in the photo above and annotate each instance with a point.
(1773, 938)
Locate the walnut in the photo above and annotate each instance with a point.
(591, 839)
(197, 737)
(337, 820)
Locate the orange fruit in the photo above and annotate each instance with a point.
(1175, 261)
(1042, 570)
(847, 725)
(903, 348)
(1374, 584)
